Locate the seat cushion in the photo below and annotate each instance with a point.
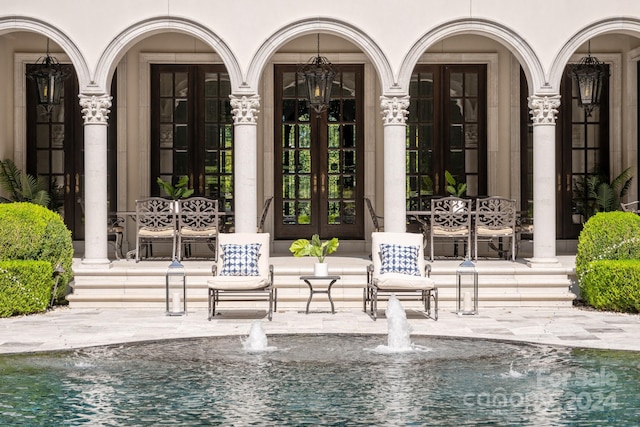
(399, 259)
(229, 283)
(397, 282)
(240, 260)
(449, 232)
(162, 232)
(486, 231)
(199, 232)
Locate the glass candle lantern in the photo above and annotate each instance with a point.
(467, 288)
(176, 287)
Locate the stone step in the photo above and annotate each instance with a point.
(128, 284)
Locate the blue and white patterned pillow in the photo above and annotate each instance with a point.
(399, 259)
(240, 260)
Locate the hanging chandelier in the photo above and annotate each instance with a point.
(589, 76)
(49, 76)
(318, 78)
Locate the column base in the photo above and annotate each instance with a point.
(542, 262)
(98, 263)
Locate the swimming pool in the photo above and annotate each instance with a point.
(337, 380)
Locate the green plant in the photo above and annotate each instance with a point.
(314, 247)
(23, 187)
(179, 191)
(453, 187)
(594, 193)
(607, 236)
(612, 285)
(32, 232)
(25, 287)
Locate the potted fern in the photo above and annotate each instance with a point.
(317, 248)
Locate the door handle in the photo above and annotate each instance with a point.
(315, 183)
(559, 183)
(568, 183)
(201, 186)
(322, 179)
(437, 186)
(68, 185)
(77, 183)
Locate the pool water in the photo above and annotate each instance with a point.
(332, 380)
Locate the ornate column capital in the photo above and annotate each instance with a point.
(394, 110)
(544, 109)
(95, 109)
(245, 109)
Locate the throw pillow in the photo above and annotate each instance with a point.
(240, 260)
(399, 259)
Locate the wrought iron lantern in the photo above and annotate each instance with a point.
(589, 76)
(467, 288)
(318, 79)
(49, 77)
(176, 286)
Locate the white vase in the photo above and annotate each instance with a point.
(320, 269)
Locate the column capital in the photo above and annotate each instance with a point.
(394, 109)
(245, 109)
(95, 109)
(544, 109)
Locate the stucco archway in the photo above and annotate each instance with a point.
(23, 23)
(509, 38)
(119, 45)
(313, 26)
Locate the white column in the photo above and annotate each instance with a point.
(245, 162)
(394, 111)
(95, 111)
(543, 114)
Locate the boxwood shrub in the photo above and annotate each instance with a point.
(606, 236)
(33, 232)
(612, 285)
(25, 287)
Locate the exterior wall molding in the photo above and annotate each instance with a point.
(245, 109)
(394, 110)
(544, 109)
(95, 109)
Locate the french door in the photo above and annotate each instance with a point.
(192, 129)
(582, 150)
(55, 150)
(319, 163)
(446, 131)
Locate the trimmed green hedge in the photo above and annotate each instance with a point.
(25, 287)
(612, 285)
(610, 241)
(32, 232)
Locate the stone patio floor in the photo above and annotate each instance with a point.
(65, 328)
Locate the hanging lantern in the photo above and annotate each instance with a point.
(589, 75)
(49, 77)
(318, 79)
